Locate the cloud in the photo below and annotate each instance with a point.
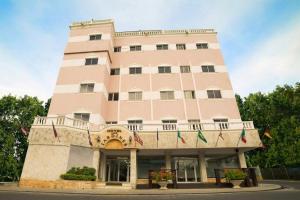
(273, 61)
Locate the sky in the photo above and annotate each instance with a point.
(260, 40)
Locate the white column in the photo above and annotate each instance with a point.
(202, 167)
(133, 169)
(242, 160)
(168, 160)
(103, 167)
(96, 159)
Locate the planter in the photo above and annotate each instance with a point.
(163, 185)
(236, 183)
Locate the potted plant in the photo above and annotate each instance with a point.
(235, 177)
(162, 178)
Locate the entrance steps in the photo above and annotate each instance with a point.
(112, 185)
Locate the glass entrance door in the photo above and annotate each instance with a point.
(117, 170)
(186, 169)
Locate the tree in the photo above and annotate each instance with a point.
(15, 113)
(280, 112)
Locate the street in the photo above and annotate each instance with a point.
(291, 191)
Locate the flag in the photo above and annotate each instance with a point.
(137, 138)
(24, 131)
(54, 130)
(180, 137)
(157, 134)
(243, 136)
(201, 136)
(267, 133)
(89, 137)
(221, 135)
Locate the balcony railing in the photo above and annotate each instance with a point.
(80, 124)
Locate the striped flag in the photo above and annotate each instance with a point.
(180, 137)
(137, 138)
(243, 136)
(267, 133)
(221, 135)
(24, 131)
(54, 131)
(89, 137)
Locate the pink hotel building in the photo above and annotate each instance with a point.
(152, 82)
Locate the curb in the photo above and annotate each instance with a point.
(143, 192)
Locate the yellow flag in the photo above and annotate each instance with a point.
(268, 133)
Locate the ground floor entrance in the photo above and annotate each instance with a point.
(117, 169)
(186, 170)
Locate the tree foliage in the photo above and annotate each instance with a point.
(280, 112)
(16, 113)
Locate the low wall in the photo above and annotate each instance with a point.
(58, 184)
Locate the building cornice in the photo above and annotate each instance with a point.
(83, 24)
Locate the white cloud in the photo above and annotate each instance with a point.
(274, 61)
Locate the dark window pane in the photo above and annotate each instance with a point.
(116, 96)
(110, 96)
(211, 68)
(210, 93)
(204, 68)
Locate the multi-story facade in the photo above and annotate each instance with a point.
(155, 83)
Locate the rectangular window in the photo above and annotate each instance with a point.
(95, 37)
(87, 87)
(91, 61)
(135, 121)
(169, 124)
(221, 120)
(136, 48)
(113, 96)
(135, 70)
(214, 94)
(167, 95)
(208, 68)
(161, 47)
(189, 94)
(82, 116)
(135, 96)
(117, 49)
(115, 71)
(111, 122)
(164, 69)
(194, 124)
(202, 46)
(180, 46)
(185, 69)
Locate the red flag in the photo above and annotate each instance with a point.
(24, 131)
(89, 136)
(137, 138)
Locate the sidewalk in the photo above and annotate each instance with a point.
(118, 191)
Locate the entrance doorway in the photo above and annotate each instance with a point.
(117, 170)
(186, 170)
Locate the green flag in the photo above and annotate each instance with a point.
(201, 136)
(180, 137)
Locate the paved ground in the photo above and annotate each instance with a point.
(291, 191)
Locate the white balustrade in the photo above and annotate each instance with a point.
(80, 124)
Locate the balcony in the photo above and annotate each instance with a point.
(83, 125)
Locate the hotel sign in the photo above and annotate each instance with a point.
(115, 134)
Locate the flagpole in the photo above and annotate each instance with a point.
(177, 139)
(157, 138)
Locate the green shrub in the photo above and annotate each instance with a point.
(235, 175)
(78, 177)
(82, 171)
(77, 173)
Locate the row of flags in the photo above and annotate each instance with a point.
(138, 139)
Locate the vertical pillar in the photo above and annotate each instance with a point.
(103, 167)
(96, 159)
(202, 167)
(168, 160)
(242, 160)
(133, 169)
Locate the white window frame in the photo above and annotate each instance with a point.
(167, 95)
(86, 87)
(135, 96)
